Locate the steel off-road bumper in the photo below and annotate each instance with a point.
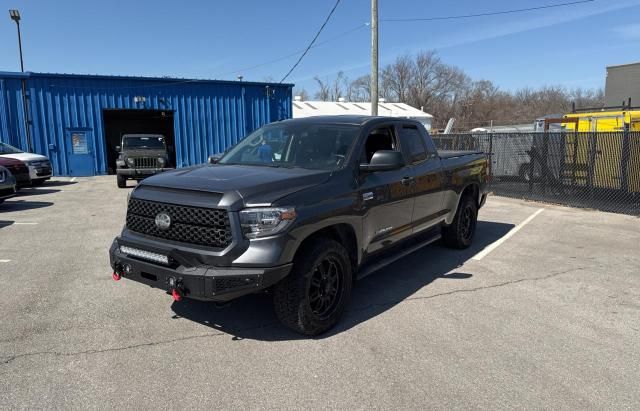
(141, 172)
(201, 282)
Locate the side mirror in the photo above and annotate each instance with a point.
(213, 159)
(118, 149)
(384, 160)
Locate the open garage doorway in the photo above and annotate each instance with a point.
(120, 122)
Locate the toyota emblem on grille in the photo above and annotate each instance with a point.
(163, 221)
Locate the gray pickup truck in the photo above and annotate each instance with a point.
(140, 156)
(301, 208)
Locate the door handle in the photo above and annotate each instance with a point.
(407, 181)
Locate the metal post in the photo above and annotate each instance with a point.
(15, 16)
(20, 46)
(624, 166)
(544, 167)
(374, 57)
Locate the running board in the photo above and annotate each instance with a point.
(370, 269)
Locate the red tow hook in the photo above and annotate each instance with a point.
(176, 294)
(116, 276)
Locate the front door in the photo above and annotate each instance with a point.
(386, 196)
(80, 153)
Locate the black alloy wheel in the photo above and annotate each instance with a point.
(325, 286)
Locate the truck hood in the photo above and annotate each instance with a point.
(240, 186)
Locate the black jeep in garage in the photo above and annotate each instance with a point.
(141, 155)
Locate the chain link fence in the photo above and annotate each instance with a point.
(597, 170)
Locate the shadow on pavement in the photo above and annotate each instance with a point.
(21, 205)
(5, 223)
(35, 191)
(252, 317)
(58, 183)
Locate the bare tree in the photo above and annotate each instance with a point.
(398, 78)
(361, 89)
(323, 89)
(304, 95)
(445, 91)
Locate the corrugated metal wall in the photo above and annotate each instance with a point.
(208, 115)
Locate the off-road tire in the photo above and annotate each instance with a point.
(459, 234)
(291, 296)
(122, 181)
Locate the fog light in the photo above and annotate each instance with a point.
(145, 255)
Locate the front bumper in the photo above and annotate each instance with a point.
(40, 172)
(200, 282)
(140, 172)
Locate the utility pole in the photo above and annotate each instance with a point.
(374, 57)
(15, 16)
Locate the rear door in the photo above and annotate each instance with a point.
(428, 208)
(386, 196)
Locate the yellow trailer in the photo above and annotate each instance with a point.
(608, 151)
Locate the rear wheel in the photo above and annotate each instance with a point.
(312, 298)
(122, 181)
(459, 234)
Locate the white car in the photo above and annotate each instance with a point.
(39, 165)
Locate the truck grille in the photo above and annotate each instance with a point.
(145, 162)
(193, 225)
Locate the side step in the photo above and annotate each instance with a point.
(378, 264)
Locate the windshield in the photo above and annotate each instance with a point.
(7, 149)
(138, 142)
(312, 146)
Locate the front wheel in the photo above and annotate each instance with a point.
(122, 181)
(312, 298)
(459, 234)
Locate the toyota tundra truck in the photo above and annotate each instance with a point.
(300, 208)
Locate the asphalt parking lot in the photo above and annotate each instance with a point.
(545, 317)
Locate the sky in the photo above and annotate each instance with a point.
(221, 39)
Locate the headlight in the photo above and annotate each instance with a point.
(162, 161)
(130, 161)
(263, 222)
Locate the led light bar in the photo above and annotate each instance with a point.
(145, 255)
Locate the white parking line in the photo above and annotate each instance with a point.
(511, 232)
(25, 223)
(5, 261)
(73, 179)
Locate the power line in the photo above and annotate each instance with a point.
(494, 13)
(312, 41)
(295, 53)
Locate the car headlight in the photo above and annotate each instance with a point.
(162, 161)
(264, 222)
(130, 161)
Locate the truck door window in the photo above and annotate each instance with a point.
(412, 143)
(379, 139)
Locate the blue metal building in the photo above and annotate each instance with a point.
(198, 117)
